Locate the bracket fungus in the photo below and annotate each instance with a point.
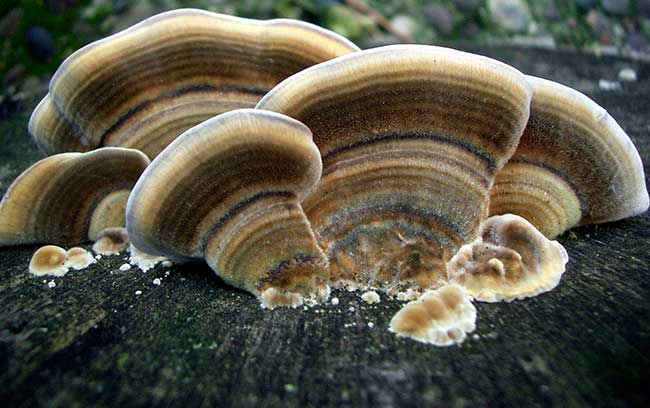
(411, 137)
(70, 197)
(56, 261)
(228, 191)
(49, 260)
(510, 260)
(78, 258)
(111, 241)
(574, 165)
(144, 86)
(441, 317)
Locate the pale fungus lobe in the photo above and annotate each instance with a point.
(49, 260)
(574, 165)
(78, 258)
(411, 138)
(111, 241)
(442, 317)
(144, 86)
(510, 260)
(143, 260)
(228, 191)
(66, 198)
(371, 297)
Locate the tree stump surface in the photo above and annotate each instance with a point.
(195, 341)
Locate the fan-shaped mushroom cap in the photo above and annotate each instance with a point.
(144, 86)
(227, 190)
(411, 137)
(111, 241)
(574, 165)
(78, 258)
(60, 197)
(442, 317)
(49, 260)
(511, 260)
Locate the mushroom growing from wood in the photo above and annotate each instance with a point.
(441, 317)
(78, 258)
(49, 260)
(228, 191)
(70, 197)
(144, 86)
(111, 241)
(411, 138)
(510, 260)
(574, 165)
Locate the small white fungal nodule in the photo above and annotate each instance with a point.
(371, 297)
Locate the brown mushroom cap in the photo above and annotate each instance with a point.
(574, 165)
(111, 241)
(144, 86)
(227, 190)
(78, 258)
(58, 198)
(411, 138)
(511, 260)
(49, 260)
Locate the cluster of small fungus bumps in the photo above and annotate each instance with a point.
(291, 161)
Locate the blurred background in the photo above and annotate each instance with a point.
(36, 35)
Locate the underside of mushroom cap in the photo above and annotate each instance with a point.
(510, 260)
(57, 199)
(144, 86)
(574, 165)
(228, 190)
(411, 137)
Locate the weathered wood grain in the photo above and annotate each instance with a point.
(194, 341)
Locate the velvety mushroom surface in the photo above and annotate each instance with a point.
(228, 190)
(411, 138)
(68, 198)
(510, 260)
(144, 86)
(574, 165)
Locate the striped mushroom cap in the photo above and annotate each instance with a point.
(144, 86)
(70, 197)
(574, 165)
(510, 260)
(228, 190)
(411, 137)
